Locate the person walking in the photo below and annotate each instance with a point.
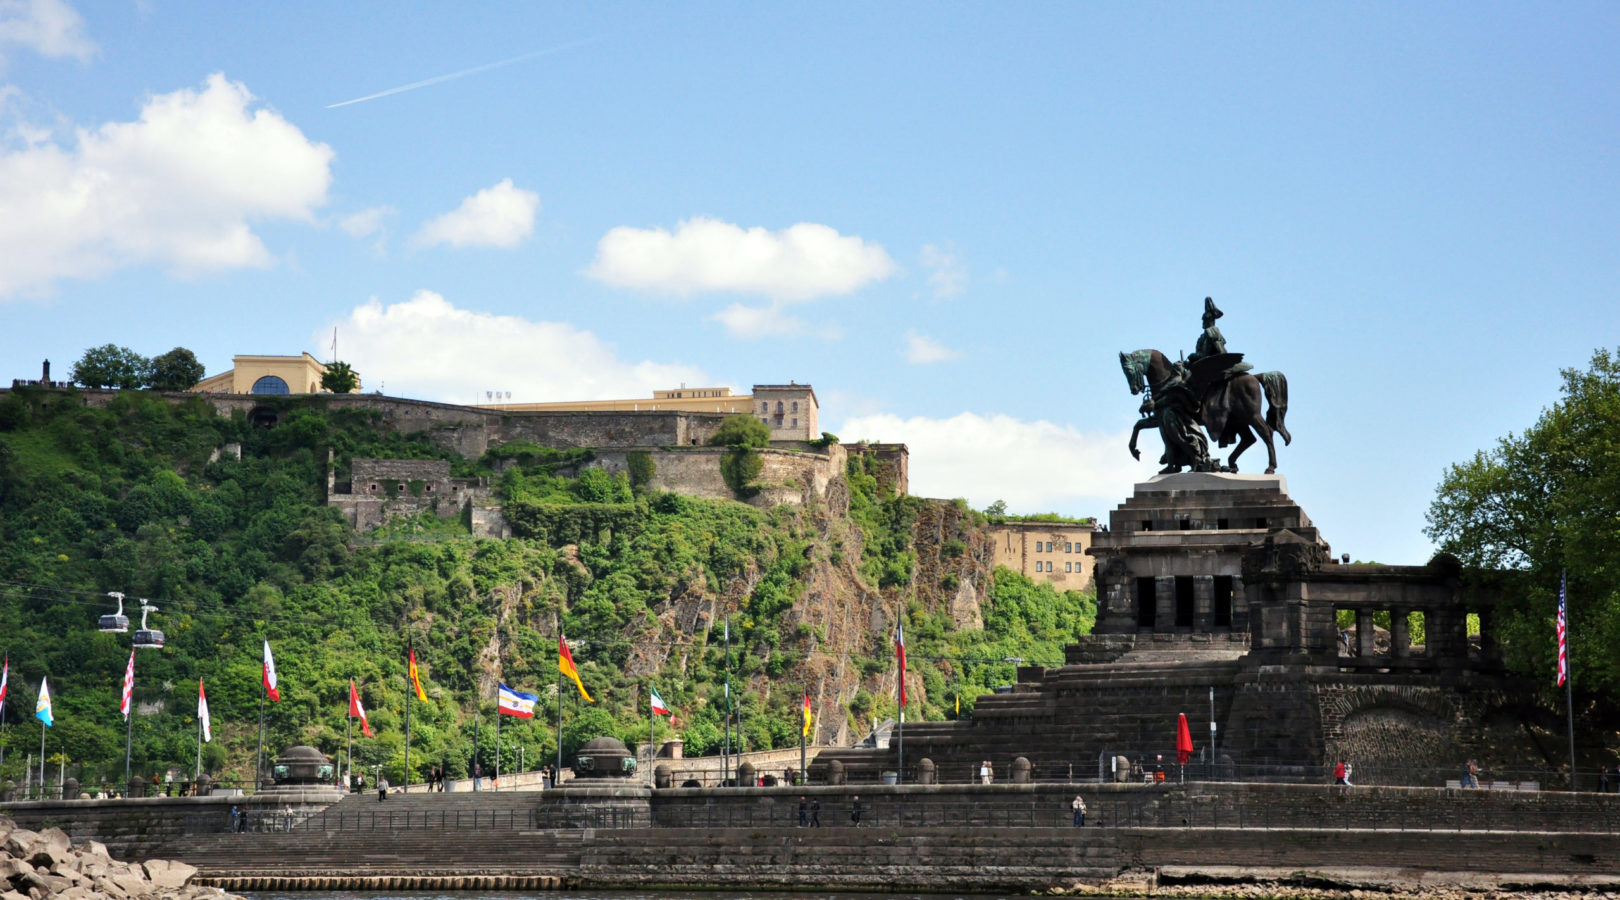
(1079, 807)
(1339, 773)
(1347, 769)
(815, 813)
(478, 776)
(382, 788)
(855, 811)
(804, 812)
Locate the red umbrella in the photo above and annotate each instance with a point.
(1184, 747)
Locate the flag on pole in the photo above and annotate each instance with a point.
(659, 707)
(806, 732)
(42, 706)
(416, 678)
(900, 653)
(1184, 744)
(357, 711)
(270, 674)
(129, 686)
(516, 703)
(5, 676)
(1563, 631)
(202, 713)
(565, 663)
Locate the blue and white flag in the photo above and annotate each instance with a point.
(42, 706)
(516, 703)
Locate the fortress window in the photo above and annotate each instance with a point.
(1068, 567)
(795, 406)
(1223, 601)
(270, 384)
(795, 423)
(1068, 547)
(764, 406)
(1146, 602)
(1260, 522)
(1185, 524)
(1184, 601)
(1221, 524)
(1147, 524)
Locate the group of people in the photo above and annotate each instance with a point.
(1341, 774)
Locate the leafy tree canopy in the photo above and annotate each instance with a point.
(176, 370)
(112, 366)
(741, 431)
(1540, 504)
(339, 378)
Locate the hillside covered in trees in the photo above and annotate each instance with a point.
(145, 495)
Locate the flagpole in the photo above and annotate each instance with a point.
(129, 736)
(900, 697)
(556, 776)
(42, 728)
(348, 737)
(725, 752)
(497, 737)
(198, 775)
(652, 720)
(804, 735)
(1569, 673)
(409, 690)
(258, 763)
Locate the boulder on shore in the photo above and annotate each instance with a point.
(36, 865)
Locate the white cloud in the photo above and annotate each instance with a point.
(498, 216)
(792, 265)
(1034, 466)
(366, 222)
(428, 348)
(752, 322)
(179, 187)
(50, 28)
(921, 350)
(947, 276)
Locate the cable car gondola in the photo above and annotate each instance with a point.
(118, 623)
(148, 638)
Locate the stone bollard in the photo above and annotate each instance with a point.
(70, 789)
(925, 771)
(745, 775)
(661, 776)
(205, 785)
(1020, 770)
(135, 788)
(1122, 769)
(835, 772)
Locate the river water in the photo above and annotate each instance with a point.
(611, 895)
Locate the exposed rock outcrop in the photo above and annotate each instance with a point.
(36, 865)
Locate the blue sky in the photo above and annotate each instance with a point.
(949, 218)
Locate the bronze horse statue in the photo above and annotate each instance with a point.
(1228, 407)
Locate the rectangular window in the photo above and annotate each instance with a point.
(1068, 568)
(795, 423)
(1146, 603)
(1068, 546)
(1184, 601)
(1223, 601)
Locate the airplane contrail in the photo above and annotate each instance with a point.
(465, 72)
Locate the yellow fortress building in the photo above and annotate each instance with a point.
(269, 375)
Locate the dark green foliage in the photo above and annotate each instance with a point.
(741, 431)
(827, 439)
(176, 370)
(1539, 504)
(642, 468)
(740, 467)
(112, 366)
(339, 378)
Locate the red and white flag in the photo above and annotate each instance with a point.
(1563, 630)
(358, 711)
(5, 676)
(129, 686)
(270, 674)
(202, 713)
(900, 652)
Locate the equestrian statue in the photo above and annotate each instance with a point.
(1210, 388)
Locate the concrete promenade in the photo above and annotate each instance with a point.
(1003, 837)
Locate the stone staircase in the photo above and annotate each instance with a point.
(1066, 718)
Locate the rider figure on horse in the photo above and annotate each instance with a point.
(1211, 341)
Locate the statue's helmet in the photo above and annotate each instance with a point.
(1211, 311)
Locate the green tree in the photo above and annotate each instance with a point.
(112, 366)
(998, 508)
(1540, 504)
(176, 370)
(340, 378)
(741, 431)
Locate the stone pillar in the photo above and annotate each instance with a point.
(1366, 645)
(925, 771)
(1203, 604)
(1400, 642)
(1240, 605)
(1021, 770)
(1164, 604)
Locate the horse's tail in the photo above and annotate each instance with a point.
(1276, 388)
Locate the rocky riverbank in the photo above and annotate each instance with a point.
(1359, 883)
(36, 865)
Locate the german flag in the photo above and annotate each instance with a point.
(565, 664)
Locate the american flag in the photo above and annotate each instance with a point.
(1563, 631)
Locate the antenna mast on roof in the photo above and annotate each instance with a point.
(334, 343)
